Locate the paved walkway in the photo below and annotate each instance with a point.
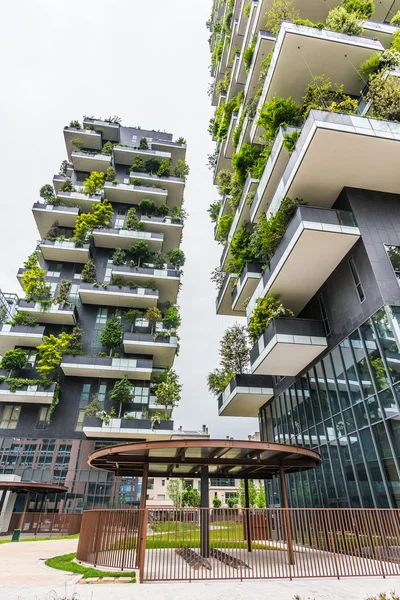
(21, 578)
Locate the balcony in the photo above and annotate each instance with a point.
(126, 193)
(314, 244)
(124, 238)
(136, 429)
(109, 131)
(264, 45)
(83, 201)
(273, 171)
(56, 314)
(335, 151)
(46, 214)
(223, 303)
(161, 349)
(287, 347)
(27, 394)
(245, 395)
(315, 10)
(246, 285)
(177, 151)
(87, 162)
(125, 155)
(107, 367)
(19, 335)
(114, 295)
(242, 214)
(379, 31)
(302, 51)
(174, 186)
(167, 280)
(170, 228)
(91, 139)
(65, 251)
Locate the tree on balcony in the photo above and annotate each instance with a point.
(339, 19)
(177, 258)
(89, 272)
(111, 336)
(111, 174)
(140, 252)
(121, 393)
(34, 280)
(153, 315)
(281, 10)
(94, 183)
(100, 217)
(14, 360)
(234, 350)
(266, 309)
(168, 390)
(132, 222)
(50, 354)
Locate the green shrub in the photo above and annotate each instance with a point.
(89, 272)
(176, 257)
(107, 148)
(370, 66)
(94, 183)
(152, 165)
(290, 140)
(118, 257)
(223, 181)
(323, 95)
(181, 169)
(384, 95)
(265, 310)
(138, 165)
(240, 251)
(218, 380)
(281, 10)
(344, 22)
(147, 207)
(277, 112)
(111, 174)
(213, 210)
(363, 9)
(143, 145)
(396, 19)
(77, 144)
(164, 169)
(248, 54)
(308, 23)
(224, 227)
(132, 222)
(162, 210)
(244, 160)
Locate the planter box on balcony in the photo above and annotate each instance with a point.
(56, 314)
(19, 335)
(33, 394)
(114, 295)
(113, 368)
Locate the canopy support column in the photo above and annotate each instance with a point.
(21, 521)
(286, 516)
(247, 513)
(204, 514)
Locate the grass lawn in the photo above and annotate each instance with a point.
(65, 563)
(43, 539)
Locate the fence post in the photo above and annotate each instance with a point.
(96, 537)
(143, 544)
(286, 517)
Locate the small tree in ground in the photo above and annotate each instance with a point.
(111, 336)
(13, 360)
(234, 350)
(168, 391)
(232, 501)
(190, 497)
(121, 393)
(260, 498)
(217, 502)
(174, 491)
(89, 272)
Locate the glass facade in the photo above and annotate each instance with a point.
(346, 407)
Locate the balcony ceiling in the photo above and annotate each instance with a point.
(89, 162)
(121, 238)
(64, 254)
(288, 355)
(90, 138)
(10, 339)
(45, 218)
(129, 194)
(108, 372)
(167, 286)
(163, 354)
(125, 299)
(245, 402)
(82, 201)
(52, 316)
(224, 301)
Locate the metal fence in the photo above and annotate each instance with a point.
(194, 544)
(40, 524)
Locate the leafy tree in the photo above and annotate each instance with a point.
(94, 183)
(176, 257)
(138, 165)
(75, 124)
(158, 260)
(111, 174)
(240, 251)
(266, 309)
(107, 148)
(171, 318)
(147, 207)
(232, 501)
(223, 181)
(181, 169)
(248, 54)
(363, 9)
(384, 95)
(162, 210)
(143, 145)
(244, 160)
(122, 393)
(218, 277)
(260, 500)
(140, 252)
(217, 502)
(277, 112)
(93, 407)
(63, 168)
(190, 497)
(13, 360)
(396, 19)
(242, 495)
(340, 20)
(152, 165)
(218, 381)
(323, 95)
(164, 170)
(153, 315)
(111, 336)
(34, 284)
(214, 210)
(234, 351)
(46, 192)
(32, 260)
(281, 10)
(75, 347)
(50, 354)
(118, 257)
(77, 144)
(132, 222)
(100, 217)
(174, 491)
(89, 272)
(21, 318)
(133, 315)
(67, 186)
(224, 227)
(168, 391)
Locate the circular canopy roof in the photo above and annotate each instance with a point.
(184, 458)
(35, 488)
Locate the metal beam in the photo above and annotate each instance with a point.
(247, 511)
(204, 514)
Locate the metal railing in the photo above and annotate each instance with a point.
(40, 524)
(203, 543)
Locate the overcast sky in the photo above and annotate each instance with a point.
(146, 62)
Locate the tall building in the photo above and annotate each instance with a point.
(307, 101)
(108, 264)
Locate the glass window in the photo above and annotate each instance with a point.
(79, 421)
(101, 317)
(102, 393)
(324, 315)
(338, 374)
(43, 418)
(393, 253)
(350, 371)
(323, 392)
(330, 381)
(356, 279)
(388, 344)
(10, 416)
(375, 359)
(85, 395)
(388, 402)
(314, 396)
(54, 269)
(362, 364)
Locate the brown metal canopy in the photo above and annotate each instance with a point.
(237, 459)
(34, 488)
